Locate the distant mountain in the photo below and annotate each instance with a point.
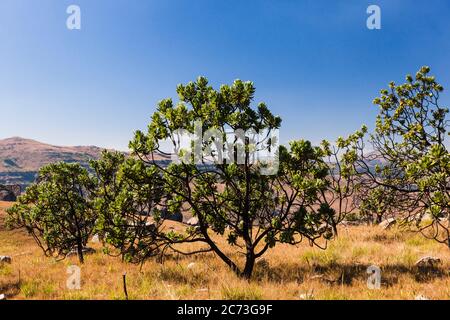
(21, 159)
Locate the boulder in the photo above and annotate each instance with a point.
(191, 266)
(2, 297)
(8, 196)
(428, 262)
(388, 223)
(86, 250)
(5, 259)
(177, 216)
(95, 238)
(193, 221)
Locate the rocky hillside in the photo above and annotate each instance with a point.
(20, 159)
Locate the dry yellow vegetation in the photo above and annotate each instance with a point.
(288, 272)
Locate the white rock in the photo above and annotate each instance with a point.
(95, 238)
(388, 223)
(191, 265)
(421, 297)
(193, 221)
(5, 259)
(306, 296)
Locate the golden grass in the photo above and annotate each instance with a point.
(292, 273)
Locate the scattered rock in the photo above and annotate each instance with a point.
(191, 266)
(95, 238)
(388, 223)
(86, 250)
(177, 216)
(306, 296)
(2, 297)
(5, 259)
(428, 261)
(8, 196)
(421, 297)
(9, 193)
(193, 221)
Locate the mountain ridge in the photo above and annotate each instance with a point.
(21, 158)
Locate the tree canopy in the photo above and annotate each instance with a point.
(237, 199)
(56, 210)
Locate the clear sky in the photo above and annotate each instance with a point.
(314, 63)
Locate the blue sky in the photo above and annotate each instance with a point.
(313, 62)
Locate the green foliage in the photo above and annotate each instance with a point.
(410, 135)
(375, 204)
(126, 201)
(343, 178)
(235, 199)
(314, 189)
(56, 210)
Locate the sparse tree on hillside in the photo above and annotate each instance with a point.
(56, 210)
(237, 199)
(378, 203)
(411, 142)
(344, 182)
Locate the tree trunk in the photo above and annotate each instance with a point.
(448, 228)
(80, 251)
(379, 219)
(249, 265)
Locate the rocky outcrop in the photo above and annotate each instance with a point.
(388, 223)
(193, 221)
(177, 216)
(428, 262)
(5, 259)
(7, 196)
(9, 193)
